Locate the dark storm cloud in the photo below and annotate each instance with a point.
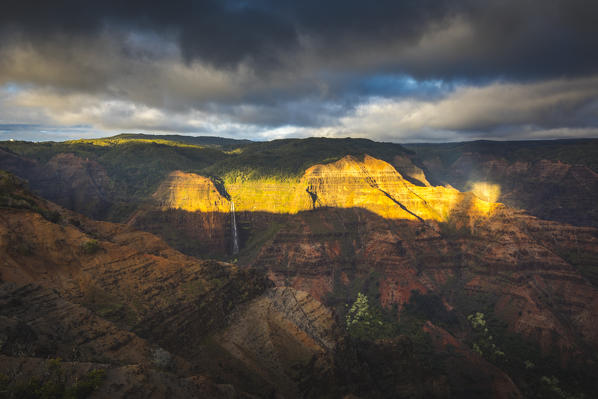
(219, 32)
(509, 38)
(392, 70)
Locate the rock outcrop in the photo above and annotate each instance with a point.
(278, 333)
(376, 186)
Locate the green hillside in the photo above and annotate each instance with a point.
(289, 158)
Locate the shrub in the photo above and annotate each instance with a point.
(90, 246)
(52, 216)
(484, 343)
(362, 321)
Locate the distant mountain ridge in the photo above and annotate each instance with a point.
(214, 141)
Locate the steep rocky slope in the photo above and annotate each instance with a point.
(100, 293)
(279, 333)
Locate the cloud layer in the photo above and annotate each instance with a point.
(400, 70)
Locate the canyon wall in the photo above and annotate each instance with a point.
(358, 220)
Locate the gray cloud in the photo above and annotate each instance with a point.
(256, 68)
(512, 38)
(497, 110)
(546, 109)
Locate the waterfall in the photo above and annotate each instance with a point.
(233, 226)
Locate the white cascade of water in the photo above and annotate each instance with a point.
(233, 222)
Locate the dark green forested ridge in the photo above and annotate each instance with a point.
(291, 157)
(144, 157)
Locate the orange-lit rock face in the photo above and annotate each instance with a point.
(190, 192)
(192, 215)
(370, 184)
(375, 185)
(269, 195)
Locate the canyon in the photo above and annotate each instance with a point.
(146, 283)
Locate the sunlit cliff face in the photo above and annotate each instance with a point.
(370, 184)
(190, 192)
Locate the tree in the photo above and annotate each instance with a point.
(483, 340)
(362, 321)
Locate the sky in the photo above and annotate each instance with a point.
(396, 70)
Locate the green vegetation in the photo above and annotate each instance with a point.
(452, 230)
(289, 158)
(430, 307)
(9, 182)
(11, 189)
(204, 141)
(53, 385)
(90, 246)
(162, 359)
(363, 321)
(483, 340)
(135, 167)
(129, 157)
(549, 388)
(119, 140)
(366, 320)
(537, 374)
(519, 358)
